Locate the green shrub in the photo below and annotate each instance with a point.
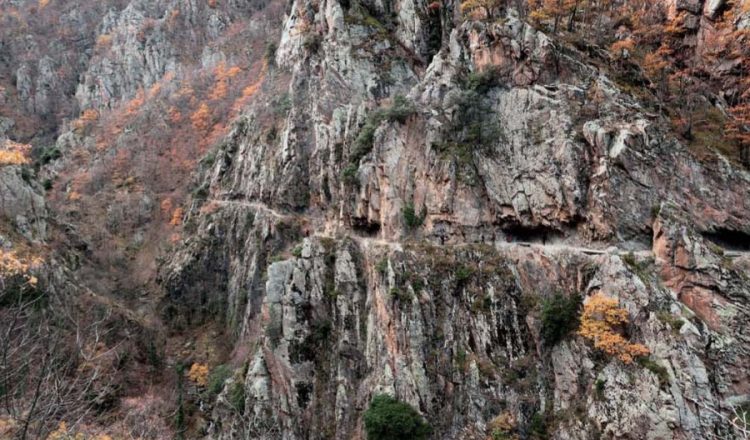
(209, 159)
(201, 192)
(270, 53)
(411, 218)
(400, 295)
(382, 266)
(26, 175)
(417, 284)
(538, 427)
(599, 388)
(461, 359)
(349, 174)
(49, 154)
(661, 373)
(675, 322)
(559, 317)
(312, 42)
(365, 138)
(401, 109)
(398, 112)
(152, 354)
(216, 379)
(236, 397)
(482, 304)
(463, 273)
(655, 211)
(640, 269)
(482, 82)
(391, 419)
(282, 105)
(297, 251)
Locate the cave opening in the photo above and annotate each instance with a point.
(532, 234)
(729, 239)
(365, 226)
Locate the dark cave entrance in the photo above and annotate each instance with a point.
(532, 234)
(729, 239)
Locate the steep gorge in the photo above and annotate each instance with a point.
(326, 200)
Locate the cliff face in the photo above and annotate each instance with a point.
(495, 135)
(342, 199)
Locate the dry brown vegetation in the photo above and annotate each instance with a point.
(14, 153)
(80, 361)
(680, 66)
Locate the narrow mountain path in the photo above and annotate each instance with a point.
(550, 248)
(254, 205)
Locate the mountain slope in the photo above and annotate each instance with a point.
(298, 207)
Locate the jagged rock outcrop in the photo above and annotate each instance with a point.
(22, 203)
(499, 136)
(390, 192)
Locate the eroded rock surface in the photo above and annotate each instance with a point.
(498, 137)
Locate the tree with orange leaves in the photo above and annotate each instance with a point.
(656, 66)
(623, 49)
(14, 267)
(201, 119)
(555, 11)
(14, 153)
(480, 8)
(600, 322)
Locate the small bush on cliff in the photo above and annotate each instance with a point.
(401, 109)
(559, 317)
(349, 174)
(236, 397)
(217, 378)
(270, 54)
(391, 419)
(661, 372)
(382, 266)
(538, 427)
(411, 218)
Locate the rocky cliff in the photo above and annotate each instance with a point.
(495, 135)
(298, 207)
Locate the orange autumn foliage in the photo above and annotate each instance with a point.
(177, 217)
(223, 75)
(199, 374)
(219, 91)
(136, 103)
(600, 321)
(201, 119)
(103, 41)
(552, 10)
(174, 115)
(622, 49)
(11, 265)
(166, 206)
(14, 153)
(738, 129)
(88, 117)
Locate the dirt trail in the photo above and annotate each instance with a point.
(551, 248)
